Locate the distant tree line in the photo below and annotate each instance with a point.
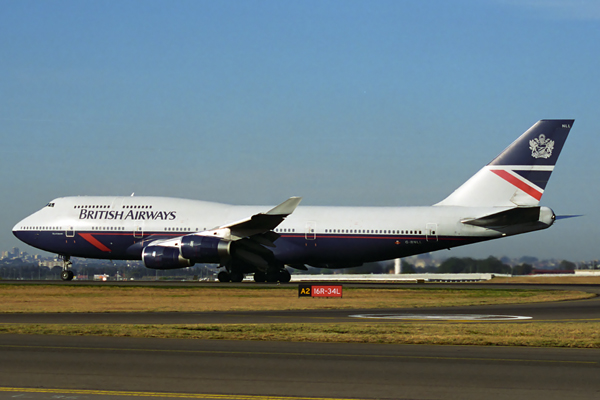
(24, 271)
(489, 265)
(454, 265)
(467, 265)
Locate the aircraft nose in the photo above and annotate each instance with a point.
(19, 231)
(16, 229)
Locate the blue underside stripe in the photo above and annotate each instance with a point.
(123, 245)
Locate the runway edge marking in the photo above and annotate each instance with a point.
(164, 394)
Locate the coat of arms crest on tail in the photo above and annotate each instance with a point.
(541, 147)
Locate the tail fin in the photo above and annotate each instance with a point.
(518, 176)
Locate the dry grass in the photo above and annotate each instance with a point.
(35, 299)
(570, 334)
(20, 299)
(554, 280)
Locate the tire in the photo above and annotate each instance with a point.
(260, 277)
(223, 277)
(236, 276)
(272, 277)
(284, 276)
(66, 275)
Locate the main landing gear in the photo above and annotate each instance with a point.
(66, 274)
(233, 276)
(282, 276)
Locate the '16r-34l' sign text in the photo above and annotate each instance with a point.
(319, 290)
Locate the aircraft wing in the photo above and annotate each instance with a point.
(243, 240)
(263, 222)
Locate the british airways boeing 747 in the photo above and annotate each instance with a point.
(502, 199)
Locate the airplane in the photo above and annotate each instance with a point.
(502, 199)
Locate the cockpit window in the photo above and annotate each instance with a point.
(50, 205)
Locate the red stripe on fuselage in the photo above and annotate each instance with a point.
(94, 242)
(533, 192)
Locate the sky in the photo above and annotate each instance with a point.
(360, 103)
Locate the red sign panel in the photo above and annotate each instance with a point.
(326, 291)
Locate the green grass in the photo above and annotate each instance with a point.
(85, 298)
(540, 334)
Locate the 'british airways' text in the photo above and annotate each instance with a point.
(129, 215)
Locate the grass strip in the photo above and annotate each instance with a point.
(539, 334)
(548, 279)
(53, 298)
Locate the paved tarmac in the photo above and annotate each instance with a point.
(121, 368)
(44, 367)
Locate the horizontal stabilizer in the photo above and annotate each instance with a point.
(514, 216)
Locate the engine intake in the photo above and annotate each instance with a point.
(205, 249)
(162, 257)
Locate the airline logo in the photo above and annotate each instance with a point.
(541, 147)
(130, 215)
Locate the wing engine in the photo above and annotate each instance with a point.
(245, 241)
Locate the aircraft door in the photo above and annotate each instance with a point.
(70, 232)
(431, 234)
(311, 230)
(138, 232)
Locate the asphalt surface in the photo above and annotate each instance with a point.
(44, 367)
(259, 370)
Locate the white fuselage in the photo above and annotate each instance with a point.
(120, 227)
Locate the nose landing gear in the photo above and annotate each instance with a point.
(66, 274)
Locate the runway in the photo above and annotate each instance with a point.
(260, 370)
(44, 367)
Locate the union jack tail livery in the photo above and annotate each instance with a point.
(518, 176)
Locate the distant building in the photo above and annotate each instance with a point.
(551, 271)
(51, 264)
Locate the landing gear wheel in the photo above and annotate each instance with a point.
(223, 276)
(260, 277)
(236, 276)
(272, 277)
(66, 275)
(284, 276)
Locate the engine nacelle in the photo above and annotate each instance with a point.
(205, 249)
(162, 257)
